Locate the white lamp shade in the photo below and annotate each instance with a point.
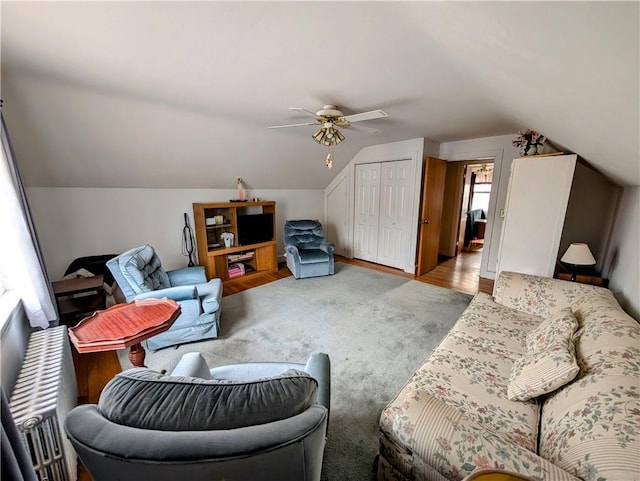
(578, 254)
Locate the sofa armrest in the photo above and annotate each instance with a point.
(457, 446)
(210, 294)
(327, 247)
(192, 364)
(292, 250)
(319, 366)
(179, 293)
(187, 276)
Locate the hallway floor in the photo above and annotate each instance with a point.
(461, 273)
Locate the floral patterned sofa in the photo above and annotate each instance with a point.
(541, 380)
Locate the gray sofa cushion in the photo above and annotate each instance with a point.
(149, 400)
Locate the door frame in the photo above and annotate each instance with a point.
(467, 175)
(494, 217)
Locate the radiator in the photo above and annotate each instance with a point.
(46, 390)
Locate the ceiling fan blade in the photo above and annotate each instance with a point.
(300, 109)
(374, 114)
(291, 125)
(365, 130)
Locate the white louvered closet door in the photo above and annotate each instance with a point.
(382, 212)
(393, 220)
(367, 204)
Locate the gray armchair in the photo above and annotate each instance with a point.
(244, 422)
(140, 275)
(306, 252)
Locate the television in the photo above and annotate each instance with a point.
(255, 228)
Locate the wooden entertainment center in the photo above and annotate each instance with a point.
(240, 259)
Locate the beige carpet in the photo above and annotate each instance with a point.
(376, 327)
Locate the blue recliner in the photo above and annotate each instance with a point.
(140, 275)
(249, 422)
(307, 253)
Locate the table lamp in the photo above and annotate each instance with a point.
(578, 254)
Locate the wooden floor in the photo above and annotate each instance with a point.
(461, 273)
(241, 284)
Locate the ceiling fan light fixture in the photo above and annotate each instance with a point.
(328, 136)
(319, 136)
(329, 118)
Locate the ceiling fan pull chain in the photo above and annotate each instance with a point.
(329, 160)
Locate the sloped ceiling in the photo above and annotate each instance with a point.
(179, 94)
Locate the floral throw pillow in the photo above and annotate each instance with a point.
(549, 361)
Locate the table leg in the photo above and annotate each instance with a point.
(136, 355)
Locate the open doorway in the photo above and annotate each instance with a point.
(465, 212)
(474, 208)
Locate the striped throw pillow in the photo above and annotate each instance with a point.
(549, 361)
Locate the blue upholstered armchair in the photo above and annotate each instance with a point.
(250, 422)
(307, 253)
(140, 275)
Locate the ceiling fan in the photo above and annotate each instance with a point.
(329, 117)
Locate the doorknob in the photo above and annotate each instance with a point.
(426, 221)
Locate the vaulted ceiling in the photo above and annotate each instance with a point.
(180, 94)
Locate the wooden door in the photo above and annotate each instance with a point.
(433, 181)
(367, 203)
(394, 213)
(452, 204)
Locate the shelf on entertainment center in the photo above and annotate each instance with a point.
(221, 226)
(234, 249)
(215, 259)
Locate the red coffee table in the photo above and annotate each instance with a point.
(125, 325)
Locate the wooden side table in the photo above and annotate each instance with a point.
(125, 325)
(79, 296)
(582, 279)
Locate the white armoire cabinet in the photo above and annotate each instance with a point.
(552, 202)
(534, 214)
(382, 214)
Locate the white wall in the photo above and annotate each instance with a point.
(500, 149)
(623, 256)
(78, 222)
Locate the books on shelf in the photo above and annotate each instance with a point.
(242, 256)
(236, 270)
